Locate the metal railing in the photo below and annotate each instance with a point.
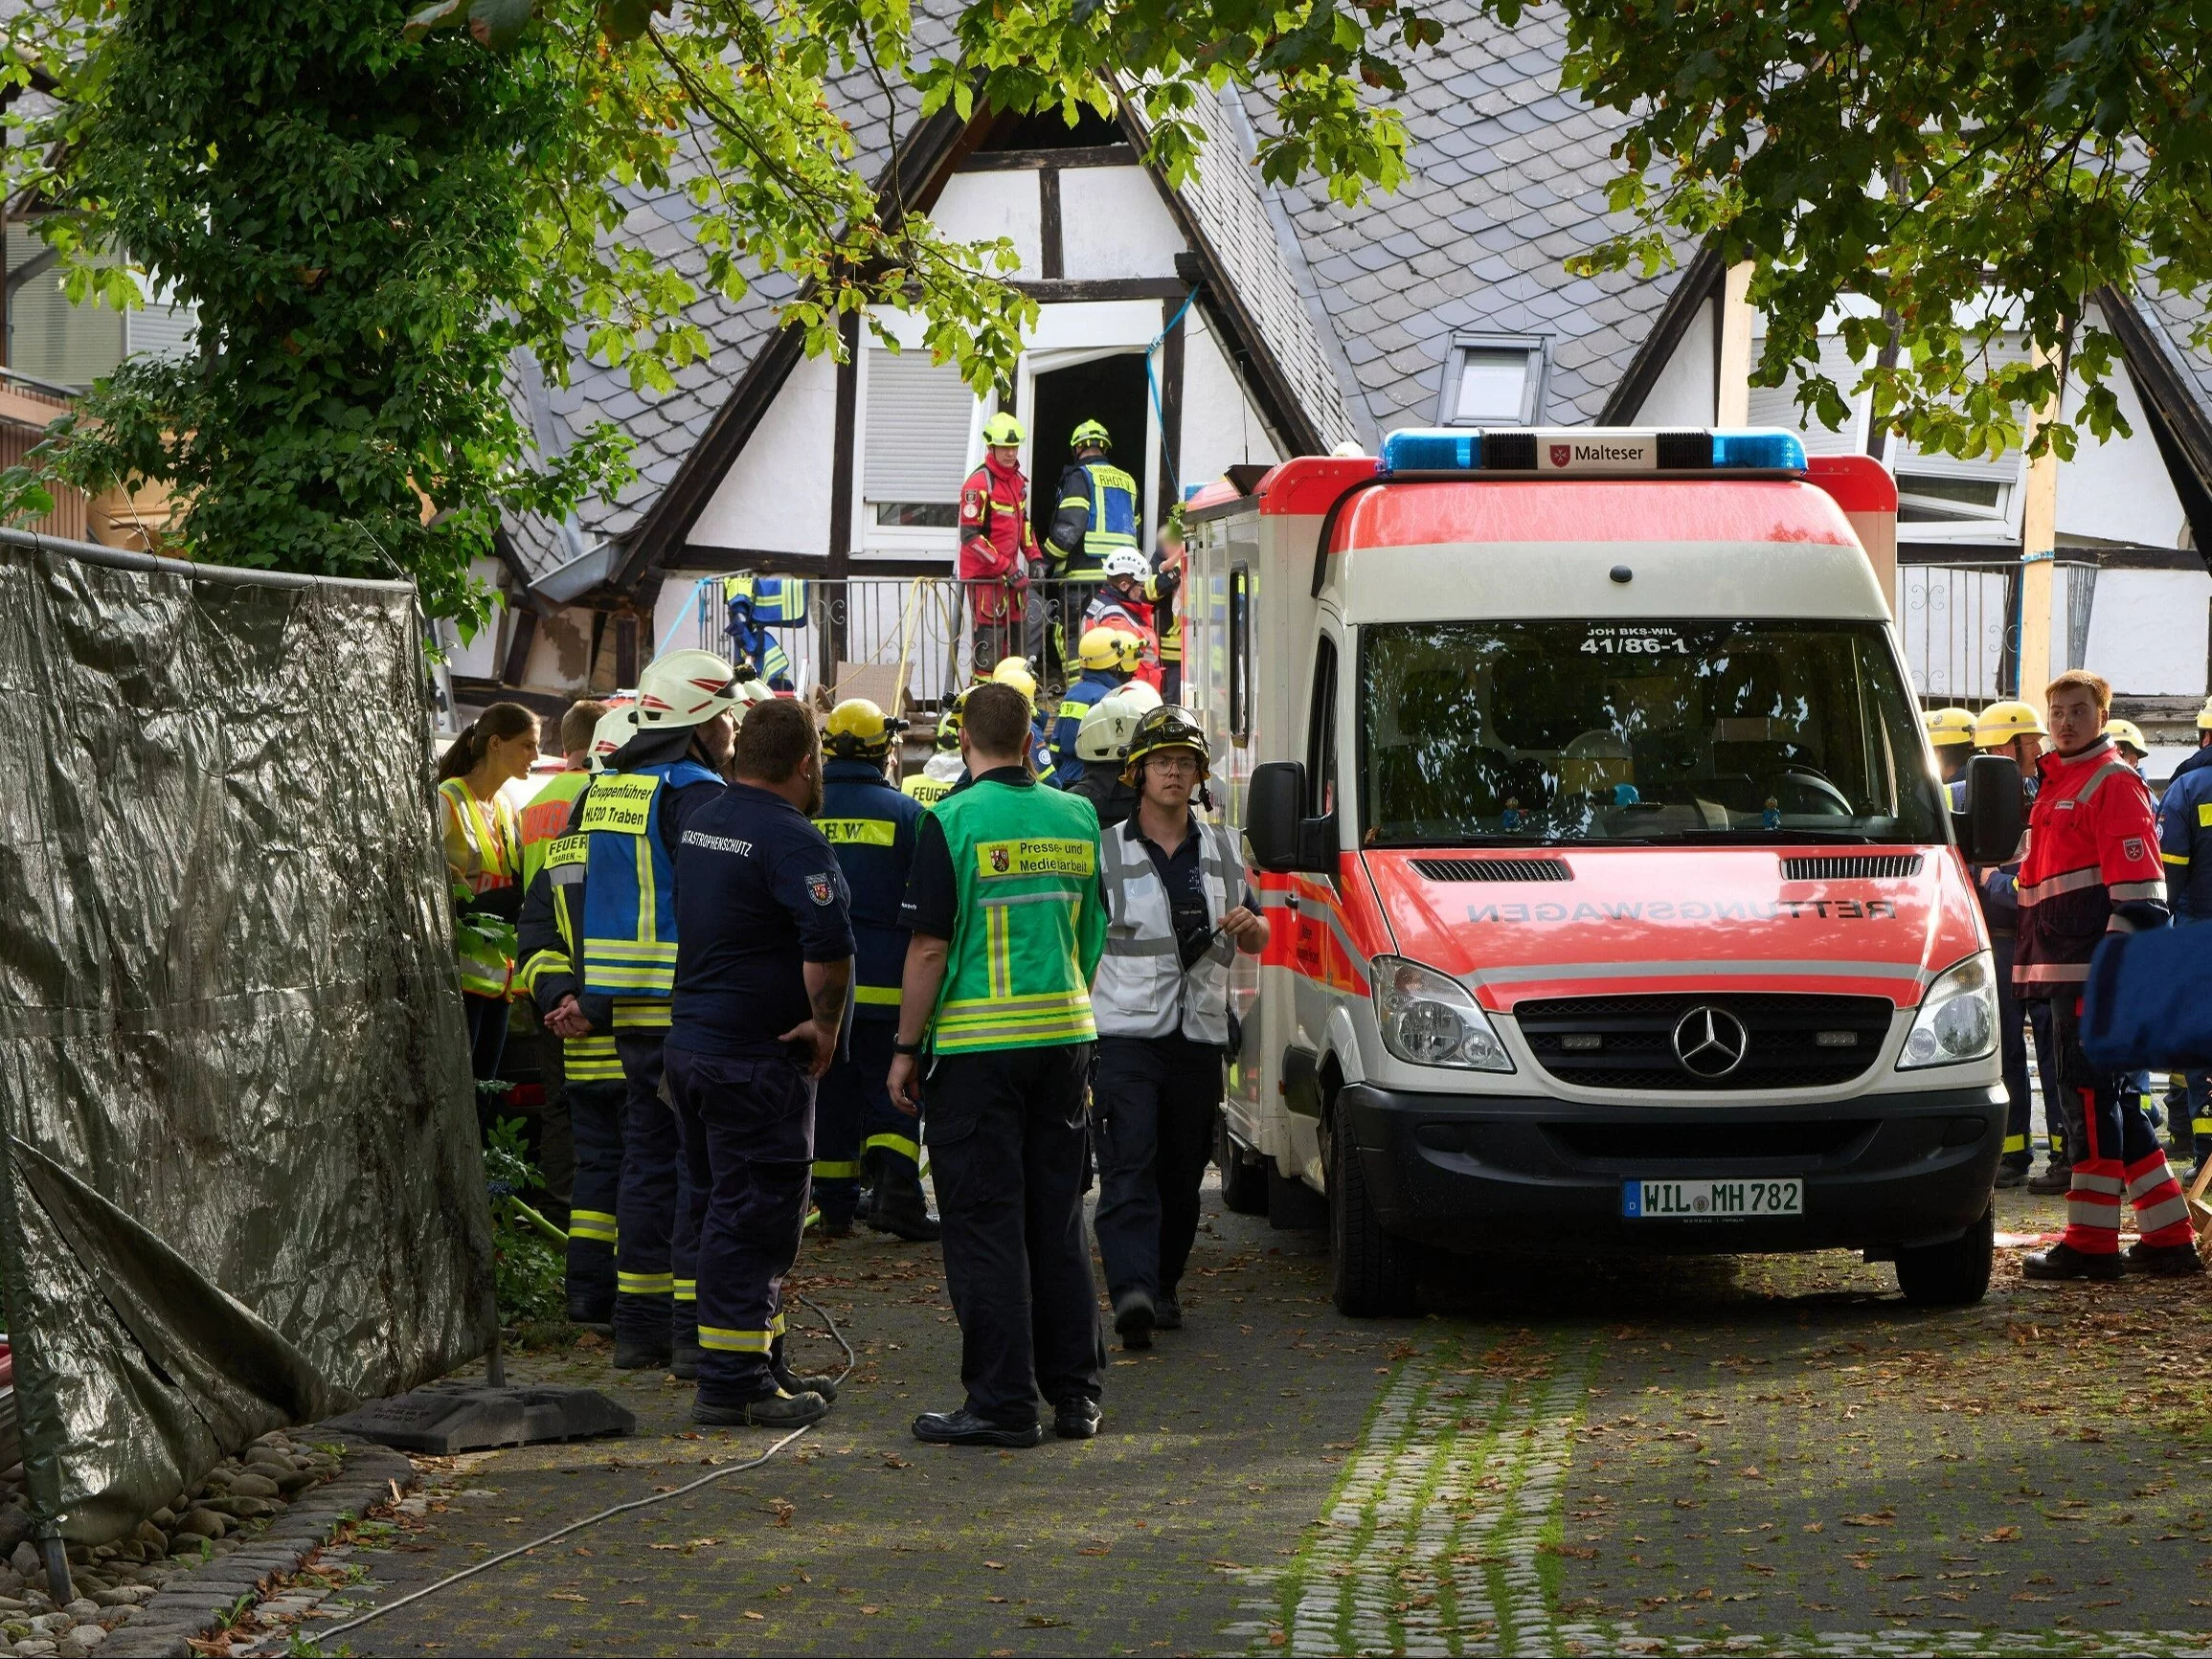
(870, 635)
(1960, 625)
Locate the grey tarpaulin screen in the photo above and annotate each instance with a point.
(242, 1186)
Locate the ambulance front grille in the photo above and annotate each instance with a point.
(1493, 869)
(1852, 867)
(1627, 1042)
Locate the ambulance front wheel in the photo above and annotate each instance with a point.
(1371, 1272)
(1954, 1274)
(1243, 1176)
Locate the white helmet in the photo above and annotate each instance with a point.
(749, 692)
(614, 728)
(1126, 562)
(1106, 729)
(685, 688)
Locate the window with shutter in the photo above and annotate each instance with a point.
(915, 444)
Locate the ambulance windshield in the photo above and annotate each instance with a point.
(1707, 731)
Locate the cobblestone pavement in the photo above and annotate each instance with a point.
(1771, 1455)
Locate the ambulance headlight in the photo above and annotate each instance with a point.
(1429, 1019)
(1958, 1019)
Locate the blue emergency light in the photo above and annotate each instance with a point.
(1591, 451)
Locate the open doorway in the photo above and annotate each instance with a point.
(1109, 390)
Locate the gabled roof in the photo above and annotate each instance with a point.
(1509, 177)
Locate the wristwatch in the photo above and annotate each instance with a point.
(914, 1047)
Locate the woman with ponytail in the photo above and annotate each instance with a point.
(482, 859)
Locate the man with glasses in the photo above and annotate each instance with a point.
(1178, 911)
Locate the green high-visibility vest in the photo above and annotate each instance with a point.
(1031, 923)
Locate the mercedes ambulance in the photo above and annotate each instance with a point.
(1615, 905)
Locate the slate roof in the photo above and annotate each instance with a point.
(663, 427)
(2177, 317)
(1508, 180)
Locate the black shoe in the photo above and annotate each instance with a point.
(2056, 1178)
(634, 1356)
(963, 1427)
(2062, 1261)
(777, 1410)
(2009, 1176)
(683, 1361)
(1076, 1419)
(791, 1383)
(2167, 1261)
(1134, 1317)
(593, 1314)
(830, 1229)
(905, 1215)
(1166, 1313)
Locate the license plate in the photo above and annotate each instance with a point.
(1710, 1200)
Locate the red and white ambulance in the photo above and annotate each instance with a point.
(1616, 906)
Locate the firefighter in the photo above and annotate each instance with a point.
(2093, 868)
(867, 1160)
(1950, 734)
(1094, 514)
(2185, 847)
(1126, 602)
(1102, 742)
(591, 1085)
(1179, 909)
(997, 544)
(1108, 658)
(763, 974)
(1008, 923)
(633, 818)
(943, 770)
(1015, 671)
(2014, 731)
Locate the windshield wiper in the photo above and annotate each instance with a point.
(1748, 837)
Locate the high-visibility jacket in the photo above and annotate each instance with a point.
(753, 605)
(870, 826)
(482, 854)
(1096, 513)
(1030, 923)
(1092, 686)
(2185, 838)
(2091, 868)
(552, 916)
(546, 816)
(996, 541)
(934, 782)
(629, 937)
(1142, 988)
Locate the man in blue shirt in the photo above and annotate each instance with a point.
(860, 1139)
(1108, 657)
(2185, 845)
(763, 983)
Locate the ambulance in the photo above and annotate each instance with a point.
(1615, 905)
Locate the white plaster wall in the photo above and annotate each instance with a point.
(974, 207)
(1683, 395)
(2119, 491)
(2148, 631)
(1218, 426)
(1114, 224)
(675, 617)
(776, 495)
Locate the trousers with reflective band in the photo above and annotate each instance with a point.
(659, 1241)
(871, 827)
(629, 935)
(1031, 919)
(2120, 1157)
(596, 1122)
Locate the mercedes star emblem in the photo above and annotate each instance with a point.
(1710, 1042)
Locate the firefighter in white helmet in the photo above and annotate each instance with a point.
(1126, 603)
(1179, 908)
(1101, 741)
(627, 828)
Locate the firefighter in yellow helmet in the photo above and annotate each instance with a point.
(1015, 671)
(1950, 734)
(867, 1160)
(1096, 511)
(943, 768)
(997, 546)
(1108, 657)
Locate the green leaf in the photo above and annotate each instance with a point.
(499, 23)
(440, 13)
(626, 19)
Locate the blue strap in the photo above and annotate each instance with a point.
(1152, 384)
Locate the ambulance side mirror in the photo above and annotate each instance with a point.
(1989, 829)
(1282, 839)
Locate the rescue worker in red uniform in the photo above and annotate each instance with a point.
(997, 543)
(2093, 868)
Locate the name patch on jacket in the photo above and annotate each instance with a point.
(618, 805)
(567, 850)
(1036, 858)
(865, 832)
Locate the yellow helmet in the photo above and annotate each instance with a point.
(1947, 726)
(858, 730)
(2002, 722)
(948, 732)
(1001, 429)
(1104, 647)
(1014, 671)
(2127, 731)
(2204, 716)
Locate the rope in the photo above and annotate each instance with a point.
(576, 1526)
(1152, 384)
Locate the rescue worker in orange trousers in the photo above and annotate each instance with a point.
(2092, 866)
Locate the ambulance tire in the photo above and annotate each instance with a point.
(1243, 1179)
(1370, 1272)
(1954, 1274)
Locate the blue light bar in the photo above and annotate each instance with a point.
(1766, 451)
(1589, 451)
(1428, 449)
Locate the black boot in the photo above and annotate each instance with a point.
(632, 1354)
(1076, 1417)
(2056, 1178)
(2062, 1261)
(2010, 1174)
(1166, 1311)
(2167, 1261)
(777, 1410)
(900, 1207)
(791, 1382)
(684, 1357)
(1134, 1316)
